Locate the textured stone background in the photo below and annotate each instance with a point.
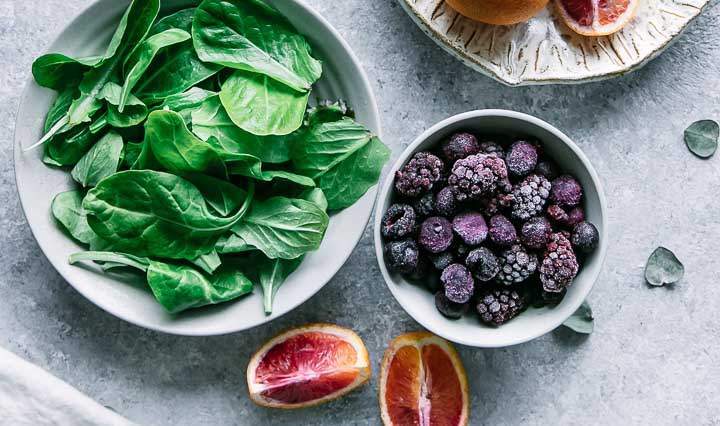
(652, 360)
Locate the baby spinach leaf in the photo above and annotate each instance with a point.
(272, 273)
(282, 227)
(224, 197)
(328, 111)
(135, 110)
(263, 106)
(100, 162)
(582, 320)
(67, 209)
(315, 195)
(251, 36)
(113, 258)
(66, 149)
(251, 166)
(57, 71)
(136, 65)
(187, 100)
(230, 243)
(150, 213)
(208, 262)
(60, 107)
(701, 138)
(131, 153)
(663, 267)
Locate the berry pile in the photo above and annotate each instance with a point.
(488, 227)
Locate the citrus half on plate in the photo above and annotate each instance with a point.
(423, 382)
(307, 366)
(597, 17)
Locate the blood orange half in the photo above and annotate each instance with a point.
(423, 382)
(597, 17)
(307, 366)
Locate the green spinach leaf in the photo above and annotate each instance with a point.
(135, 111)
(60, 107)
(100, 162)
(67, 209)
(223, 196)
(66, 149)
(208, 262)
(57, 71)
(272, 273)
(251, 166)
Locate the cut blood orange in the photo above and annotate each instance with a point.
(307, 366)
(423, 382)
(597, 17)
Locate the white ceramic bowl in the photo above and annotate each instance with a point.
(420, 304)
(37, 184)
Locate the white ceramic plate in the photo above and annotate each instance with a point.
(37, 184)
(532, 323)
(544, 50)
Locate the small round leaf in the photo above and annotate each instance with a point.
(701, 138)
(663, 268)
(582, 320)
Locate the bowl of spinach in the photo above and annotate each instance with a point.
(198, 167)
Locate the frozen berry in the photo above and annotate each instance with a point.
(575, 216)
(476, 175)
(585, 237)
(558, 214)
(448, 308)
(495, 203)
(470, 227)
(521, 158)
(436, 234)
(502, 232)
(425, 205)
(530, 196)
(419, 175)
(483, 264)
(422, 271)
(560, 266)
(566, 191)
(499, 306)
(398, 221)
(516, 265)
(402, 256)
(535, 233)
(460, 145)
(548, 169)
(458, 282)
(492, 149)
(461, 251)
(442, 260)
(445, 202)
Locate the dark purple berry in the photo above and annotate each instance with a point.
(436, 234)
(535, 233)
(470, 227)
(521, 158)
(425, 205)
(548, 169)
(585, 237)
(458, 282)
(575, 216)
(445, 202)
(442, 260)
(502, 232)
(460, 145)
(558, 214)
(560, 266)
(483, 264)
(448, 308)
(419, 175)
(398, 221)
(516, 265)
(492, 149)
(402, 256)
(461, 251)
(529, 197)
(566, 191)
(499, 306)
(477, 176)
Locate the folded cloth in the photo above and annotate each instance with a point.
(31, 396)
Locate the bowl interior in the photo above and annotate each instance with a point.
(420, 304)
(122, 295)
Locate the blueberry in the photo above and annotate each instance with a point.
(458, 283)
(398, 221)
(448, 308)
(535, 233)
(502, 232)
(470, 227)
(566, 191)
(585, 237)
(483, 264)
(402, 256)
(460, 145)
(521, 158)
(445, 202)
(436, 234)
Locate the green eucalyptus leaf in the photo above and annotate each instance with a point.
(701, 138)
(101, 161)
(582, 320)
(663, 267)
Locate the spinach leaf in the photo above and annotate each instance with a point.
(66, 149)
(176, 68)
(262, 106)
(208, 262)
(67, 209)
(272, 273)
(60, 107)
(131, 153)
(135, 111)
(136, 65)
(57, 71)
(316, 196)
(251, 166)
(224, 197)
(100, 162)
(345, 183)
(150, 213)
(282, 227)
(230, 243)
(251, 36)
(187, 100)
(328, 111)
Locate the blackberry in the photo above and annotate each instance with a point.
(566, 191)
(419, 175)
(477, 175)
(548, 169)
(516, 265)
(398, 221)
(461, 251)
(470, 227)
(402, 256)
(499, 306)
(530, 196)
(460, 145)
(458, 283)
(445, 202)
(521, 158)
(436, 234)
(585, 237)
(483, 264)
(425, 205)
(575, 216)
(558, 214)
(560, 266)
(448, 308)
(535, 233)
(492, 149)
(495, 203)
(442, 260)
(502, 232)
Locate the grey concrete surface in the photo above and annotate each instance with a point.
(653, 358)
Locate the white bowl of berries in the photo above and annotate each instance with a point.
(490, 230)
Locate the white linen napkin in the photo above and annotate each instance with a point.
(31, 396)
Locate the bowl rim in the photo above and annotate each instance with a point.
(412, 148)
(364, 218)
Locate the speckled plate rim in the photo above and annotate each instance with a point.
(442, 41)
(367, 201)
(387, 187)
